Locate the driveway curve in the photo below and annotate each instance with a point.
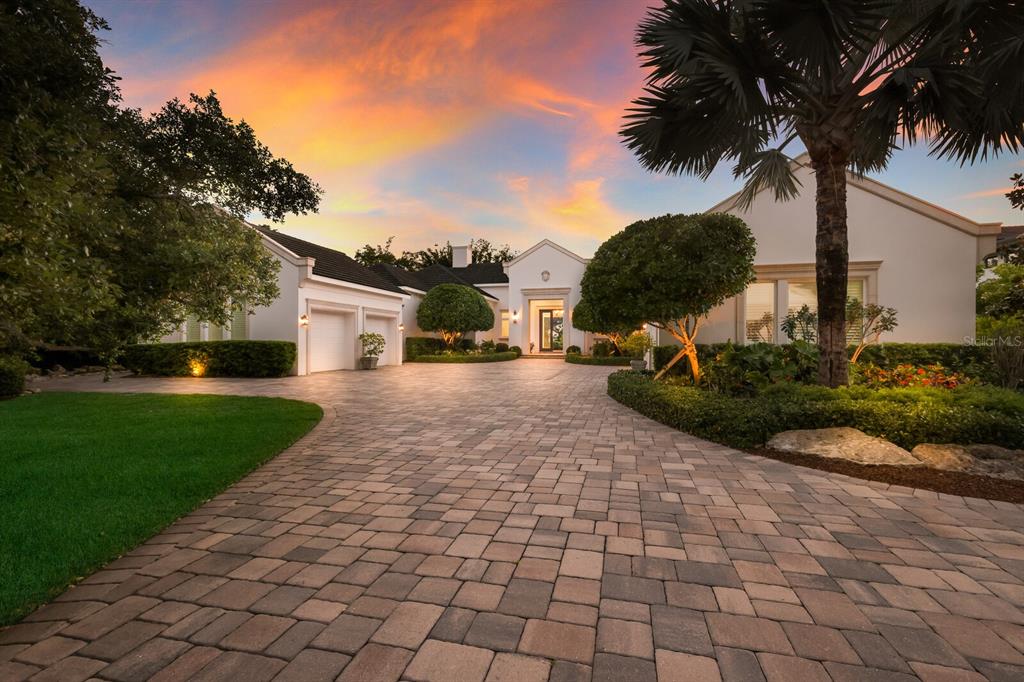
(511, 522)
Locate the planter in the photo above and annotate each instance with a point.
(638, 365)
(368, 362)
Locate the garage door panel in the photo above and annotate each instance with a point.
(331, 340)
(385, 326)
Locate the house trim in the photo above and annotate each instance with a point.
(537, 246)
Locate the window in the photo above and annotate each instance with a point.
(806, 293)
(240, 324)
(504, 324)
(760, 312)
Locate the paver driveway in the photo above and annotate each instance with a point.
(511, 522)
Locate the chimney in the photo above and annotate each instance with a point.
(461, 256)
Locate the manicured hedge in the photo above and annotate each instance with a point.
(220, 358)
(906, 417)
(422, 345)
(12, 376)
(973, 361)
(466, 357)
(615, 360)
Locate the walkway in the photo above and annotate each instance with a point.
(510, 522)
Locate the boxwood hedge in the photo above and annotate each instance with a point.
(614, 360)
(12, 376)
(906, 417)
(466, 357)
(219, 358)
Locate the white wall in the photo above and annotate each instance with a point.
(526, 282)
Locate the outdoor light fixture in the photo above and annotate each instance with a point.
(644, 328)
(303, 320)
(401, 327)
(515, 317)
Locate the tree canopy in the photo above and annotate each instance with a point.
(584, 320)
(481, 249)
(740, 81)
(670, 271)
(115, 225)
(452, 310)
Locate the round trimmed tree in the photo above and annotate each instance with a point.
(451, 310)
(670, 271)
(584, 320)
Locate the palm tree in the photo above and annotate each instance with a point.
(739, 80)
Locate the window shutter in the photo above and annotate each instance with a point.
(240, 324)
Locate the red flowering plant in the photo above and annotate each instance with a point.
(903, 375)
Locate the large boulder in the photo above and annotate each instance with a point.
(842, 442)
(949, 456)
(984, 451)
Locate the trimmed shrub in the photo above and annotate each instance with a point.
(573, 349)
(907, 417)
(501, 347)
(422, 345)
(517, 350)
(488, 346)
(615, 361)
(212, 358)
(467, 357)
(12, 376)
(468, 345)
(602, 349)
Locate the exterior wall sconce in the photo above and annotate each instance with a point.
(515, 317)
(401, 327)
(303, 320)
(643, 328)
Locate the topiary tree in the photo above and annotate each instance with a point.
(584, 320)
(451, 310)
(670, 271)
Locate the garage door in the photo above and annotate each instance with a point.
(384, 326)
(332, 340)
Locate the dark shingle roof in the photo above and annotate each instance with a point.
(1010, 234)
(399, 276)
(433, 275)
(330, 263)
(483, 273)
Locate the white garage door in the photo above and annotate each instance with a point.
(332, 343)
(384, 326)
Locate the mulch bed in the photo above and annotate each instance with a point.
(937, 480)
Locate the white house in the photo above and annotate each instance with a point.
(327, 300)
(904, 252)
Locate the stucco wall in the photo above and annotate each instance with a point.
(526, 282)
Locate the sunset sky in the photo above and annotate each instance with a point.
(442, 120)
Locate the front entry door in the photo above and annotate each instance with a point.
(550, 330)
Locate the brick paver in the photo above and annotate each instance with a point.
(511, 522)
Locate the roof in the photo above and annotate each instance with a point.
(399, 276)
(330, 263)
(432, 275)
(483, 273)
(908, 201)
(1010, 234)
(556, 247)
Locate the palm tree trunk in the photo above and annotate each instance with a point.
(831, 264)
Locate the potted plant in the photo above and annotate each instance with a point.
(373, 346)
(636, 346)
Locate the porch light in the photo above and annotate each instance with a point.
(643, 328)
(401, 327)
(515, 317)
(303, 320)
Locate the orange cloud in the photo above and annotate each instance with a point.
(995, 192)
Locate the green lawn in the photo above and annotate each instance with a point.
(85, 477)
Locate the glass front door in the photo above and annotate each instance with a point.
(550, 330)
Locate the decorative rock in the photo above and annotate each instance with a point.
(984, 451)
(949, 457)
(843, 443)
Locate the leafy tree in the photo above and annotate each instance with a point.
(740, 81)
(670, 271)
(801, 325)
(1002, 296)
(114, 225)
(483, 252)
(452, 310)
(584, 320)
(1016, 193)
(867, 323)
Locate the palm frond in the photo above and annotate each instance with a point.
(766, 169)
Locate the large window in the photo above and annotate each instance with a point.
(504, 324)
(760, 312)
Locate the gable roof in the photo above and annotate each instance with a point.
(483, 273)
(433, 275)
(883, 191)
(330, 263)
(547, 242)
(399, 276)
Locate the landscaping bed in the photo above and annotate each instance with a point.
(466, 357)
(611, 360)
(212, 358)
(86, 477)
